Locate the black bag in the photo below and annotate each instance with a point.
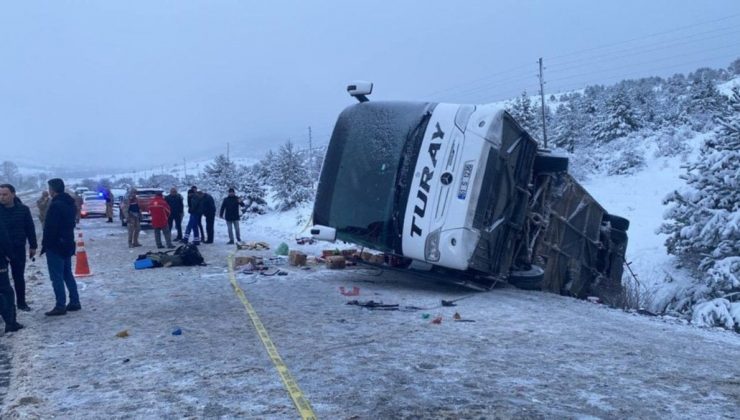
(189, 255)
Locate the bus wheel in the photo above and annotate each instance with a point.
(618, 237)
(617, 222)
(528, 279)
(549, 163)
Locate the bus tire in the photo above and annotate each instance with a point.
(617, 222)
(547, 163)
(528, 279)
(618, 237)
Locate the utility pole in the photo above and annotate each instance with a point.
(542, 97)
(310, 149)
(310, 155)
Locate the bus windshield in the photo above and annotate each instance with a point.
(373, 144)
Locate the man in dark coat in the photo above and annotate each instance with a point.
(19, 223)
(209, 212)
(195, 208)
(194, 197)
(230, 212)
(7, 297)
(59, 245)
(177, 209)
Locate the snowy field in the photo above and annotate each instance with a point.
(639, 197)
(527, 355)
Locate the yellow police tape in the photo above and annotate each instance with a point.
(301, 403)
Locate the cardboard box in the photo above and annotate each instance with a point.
(327, 253)
(336, 262)
(347, 253)
(246, 259)
(372, 258)
(296, 258)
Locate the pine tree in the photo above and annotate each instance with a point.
(252, 192)
(645, 102)
(704, 220)
(570, 130)
(705, 103)
(618, 118)
(526, 115)
(734, 68)
(289, 178)
(219, 176)
(263, 169)
(9, 173)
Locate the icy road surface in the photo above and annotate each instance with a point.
(527, 355)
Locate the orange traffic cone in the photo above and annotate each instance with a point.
(82, 269)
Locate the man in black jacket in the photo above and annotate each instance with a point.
(230, 212)
(175, 201)
(7, 297)
(195, 208)
(59, 245)
(19, 223)
(209, 212)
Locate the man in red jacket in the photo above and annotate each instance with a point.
(160, 211)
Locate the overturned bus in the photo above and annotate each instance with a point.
(464, 191)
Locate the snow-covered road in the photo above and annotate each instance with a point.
(527, 354)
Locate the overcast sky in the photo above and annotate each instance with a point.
(135, 84)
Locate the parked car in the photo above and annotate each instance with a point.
(118, 194)
(93, 205)
(145, 196)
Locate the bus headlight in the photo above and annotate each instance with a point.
(431, 246)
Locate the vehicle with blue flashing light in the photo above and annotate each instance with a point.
(93, 204)
(465, 192)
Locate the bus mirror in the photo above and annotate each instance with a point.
(360, 90)
(324, 233)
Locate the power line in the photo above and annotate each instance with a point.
(489, 86)
(487, 97)
(637, 64)
(634, 74)
(465, 88)
(489, 76)
(645, 36)
(619, 54)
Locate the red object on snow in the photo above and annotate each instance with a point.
(354, 292)
(437, 320)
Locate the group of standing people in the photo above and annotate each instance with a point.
(57, 212)
(167, 212)
(200, 205)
